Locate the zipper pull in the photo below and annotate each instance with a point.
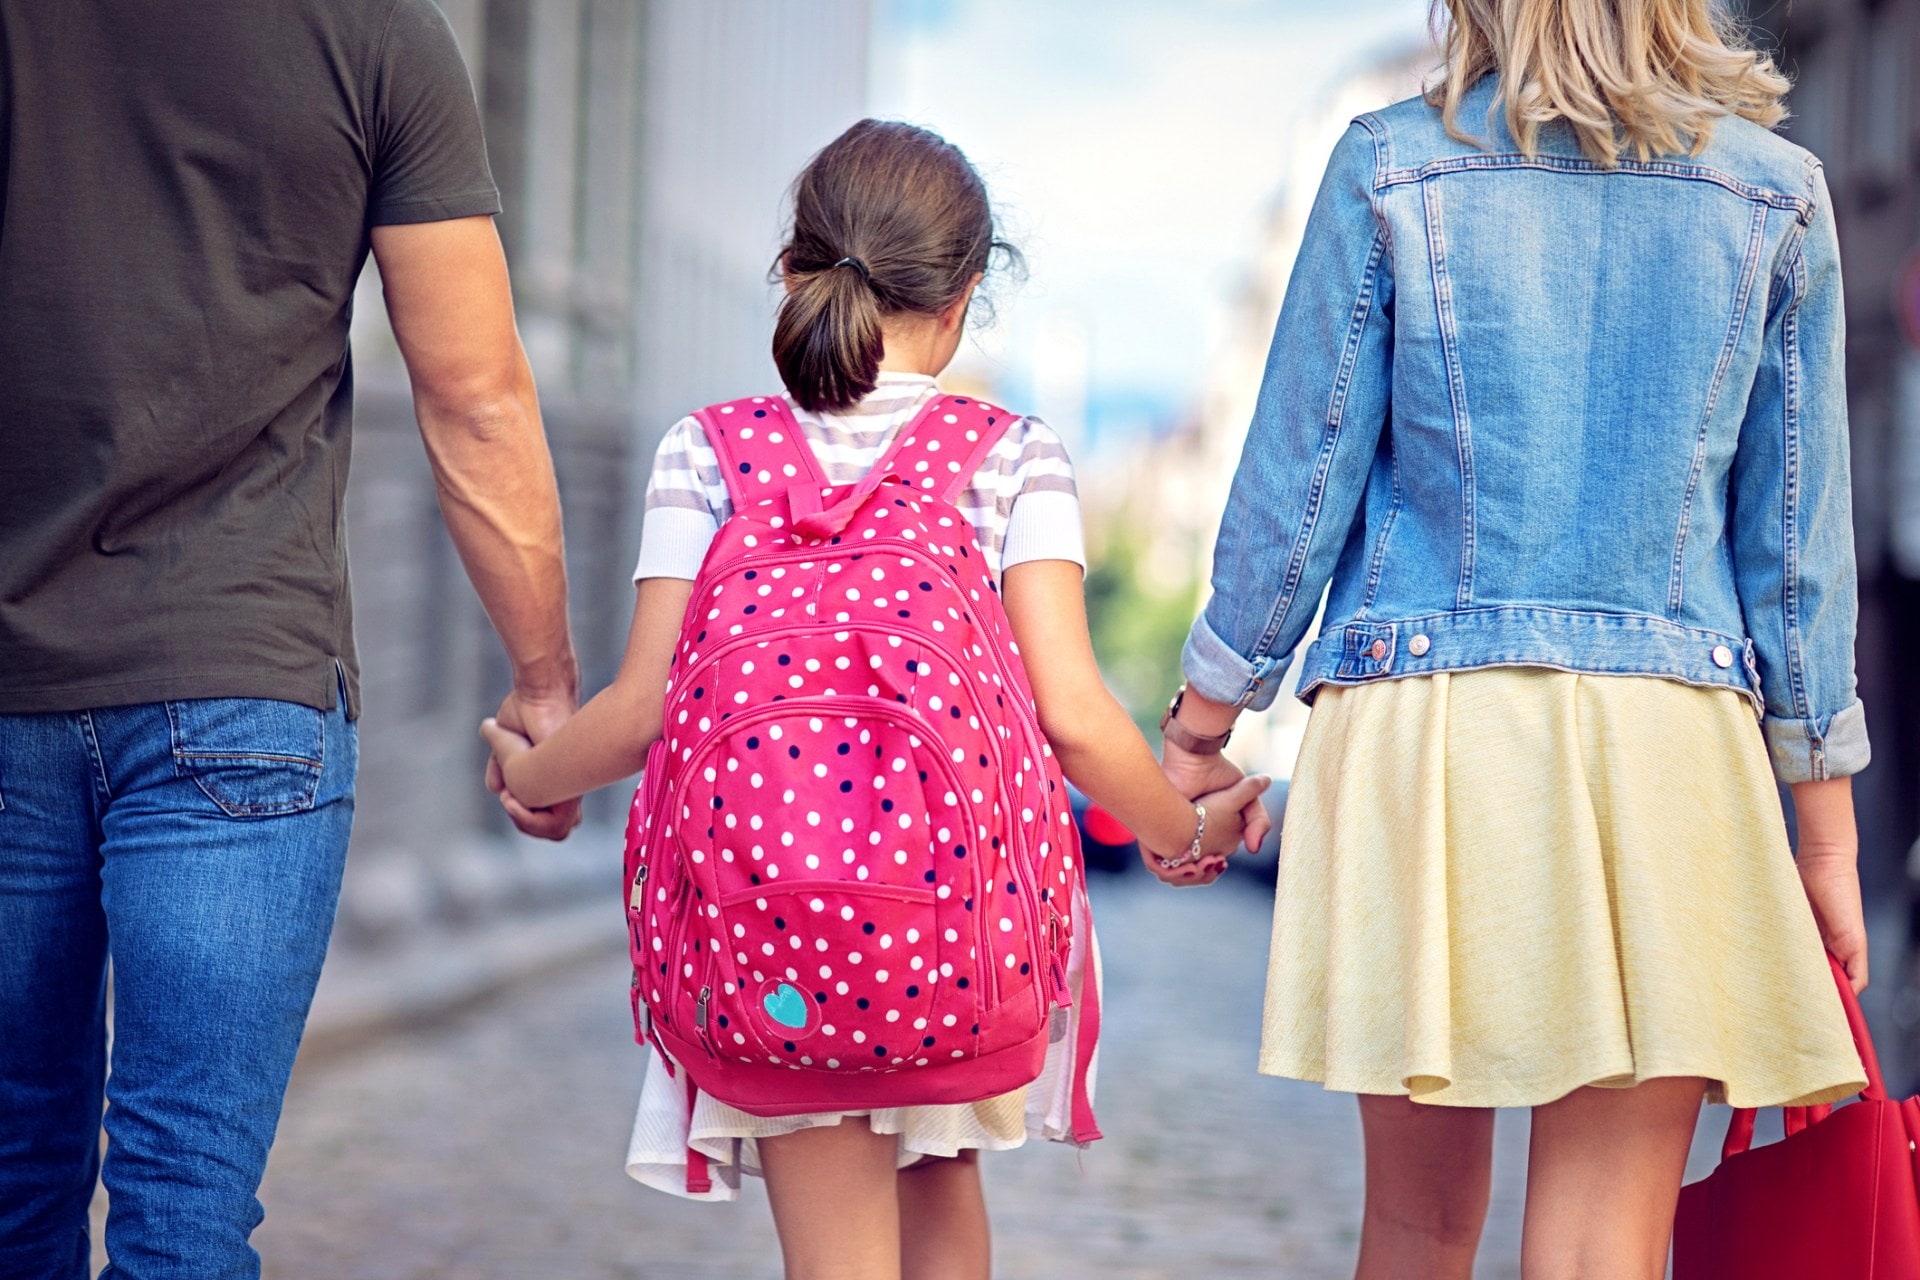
(700, 1008)
(1062, 994)
(639, 893)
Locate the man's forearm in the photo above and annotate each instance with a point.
(497, 493)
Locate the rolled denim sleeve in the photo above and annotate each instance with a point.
(1793, 519)
(1317, 425)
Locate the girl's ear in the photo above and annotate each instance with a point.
(956, 315)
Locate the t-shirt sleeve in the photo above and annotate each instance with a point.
(1044, 521)
(428, 153)
(686, 503)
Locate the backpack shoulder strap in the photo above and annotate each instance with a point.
(762, 452)
(944, 445)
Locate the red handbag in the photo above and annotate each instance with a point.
(1835, 1200)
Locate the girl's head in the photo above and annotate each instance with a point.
(891, 232)
(1650, 76)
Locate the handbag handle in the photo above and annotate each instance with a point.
(1740, 1128)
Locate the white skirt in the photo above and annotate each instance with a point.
(729, 1138)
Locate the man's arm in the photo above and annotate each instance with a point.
(452, 309)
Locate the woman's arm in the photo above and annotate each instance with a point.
(1792, 522)
(1098, 746)
(609, 738)
(1324, 402)
(1828, 859)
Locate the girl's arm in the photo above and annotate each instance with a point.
(1098, 746)
(609, 738)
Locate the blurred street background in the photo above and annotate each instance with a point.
(463, 1104)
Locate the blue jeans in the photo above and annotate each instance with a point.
(199, 845)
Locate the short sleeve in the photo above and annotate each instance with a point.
(428, 153)
(1043, 522)
(686, 503)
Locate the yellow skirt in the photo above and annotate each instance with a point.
(1499, 886)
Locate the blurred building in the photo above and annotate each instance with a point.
(642, 149)
(1856, 104)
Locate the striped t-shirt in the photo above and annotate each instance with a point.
(1022, 500)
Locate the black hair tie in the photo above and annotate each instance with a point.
(857, 265)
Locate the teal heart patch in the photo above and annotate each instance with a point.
(786, 1006)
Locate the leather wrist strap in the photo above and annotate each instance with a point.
(1186, 739)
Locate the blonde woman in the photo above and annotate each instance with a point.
(1556, 406)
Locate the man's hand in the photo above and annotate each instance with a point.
(534, 717)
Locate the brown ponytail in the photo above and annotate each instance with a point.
(888, 220)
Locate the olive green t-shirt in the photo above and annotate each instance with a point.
(186, 188)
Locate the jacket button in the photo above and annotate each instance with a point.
(1379, 650)
(1722, 656)
(1418, 646)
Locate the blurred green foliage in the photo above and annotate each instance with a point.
(1139, 622)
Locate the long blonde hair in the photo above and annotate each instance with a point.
(1650, 76)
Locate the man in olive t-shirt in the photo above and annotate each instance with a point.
(188, 192)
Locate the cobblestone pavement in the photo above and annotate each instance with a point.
(490, 1148)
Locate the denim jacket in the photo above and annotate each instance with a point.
(1533, 411)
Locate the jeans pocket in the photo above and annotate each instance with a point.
(253, 757)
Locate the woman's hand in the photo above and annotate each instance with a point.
(1828, 861)
(1195, 776)
(1226, 829)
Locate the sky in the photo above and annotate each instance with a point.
(1131, 147)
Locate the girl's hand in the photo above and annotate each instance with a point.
(507, 745)
(1226, 829)
(1828, 861)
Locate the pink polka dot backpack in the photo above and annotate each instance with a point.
(852, 863)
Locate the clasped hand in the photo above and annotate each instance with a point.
(522, 721)
(1236, 815)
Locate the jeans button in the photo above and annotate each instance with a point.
(1722, 656)
(1418, 646)
(1379, 650)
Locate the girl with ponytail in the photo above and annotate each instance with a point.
(892, 233)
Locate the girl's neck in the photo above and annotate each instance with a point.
(913, 351)
(922, 345)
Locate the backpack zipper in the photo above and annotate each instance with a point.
(700, 1016)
